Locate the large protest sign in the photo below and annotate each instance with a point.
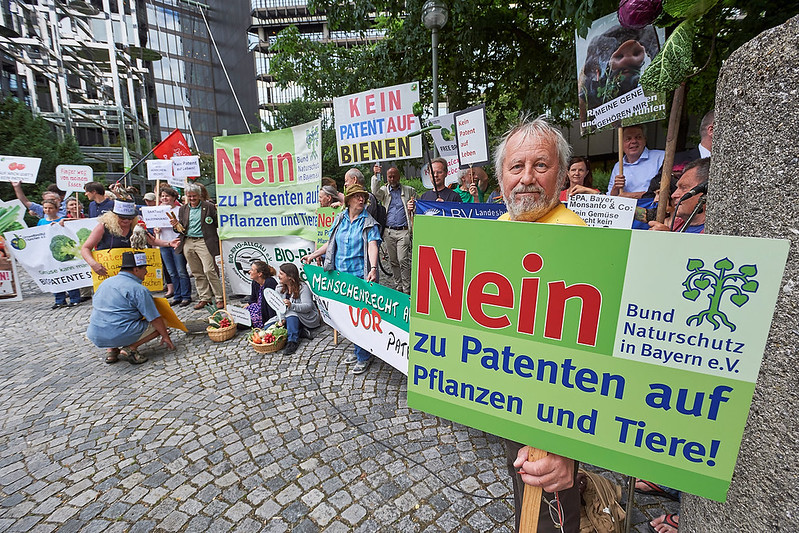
(22, 169)
(374, 125)
(239, 254)
(51, 254)
(73, 177)
(156, 216)
(610, 61)
(368, 314)
(600, 211)
(324, 223)
(267, 183)
(460, 210)
(596, 363)
(112, 261)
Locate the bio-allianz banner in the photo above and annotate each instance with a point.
(370, 315)
(51, 254)
(267, 183)
(562, 340)
(112, 261)
(374, 125)
(324, 223)
(239, 255)
(460, 210)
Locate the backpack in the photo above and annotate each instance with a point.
(380, 214)
(601, 511)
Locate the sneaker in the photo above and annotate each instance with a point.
(72, 304)
(350, 359)
(361, 366)
(291, 347)
(58, 306)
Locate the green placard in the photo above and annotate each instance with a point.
(324, 223)
(268, 183)
(594, 343)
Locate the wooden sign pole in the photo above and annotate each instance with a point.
(531, 502)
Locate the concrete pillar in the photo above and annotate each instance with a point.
(754, 191)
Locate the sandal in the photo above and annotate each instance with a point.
(669, 520)
(654, 489)
(135, 357)
(113, 356)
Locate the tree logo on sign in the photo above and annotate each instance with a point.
(718, 283)
(312, 139)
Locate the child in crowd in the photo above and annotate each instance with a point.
(50, 208)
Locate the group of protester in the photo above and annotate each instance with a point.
(533, 168)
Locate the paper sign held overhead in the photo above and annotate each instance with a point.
(155, 216)
(159, 169)
(73, 177)
(186, 166)
(447, 147)
(22, 169)
(471, 135)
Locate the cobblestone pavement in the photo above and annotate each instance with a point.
(214, 437)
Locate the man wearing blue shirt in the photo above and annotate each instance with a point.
(640, 165)
(98, 203)
(124, 312)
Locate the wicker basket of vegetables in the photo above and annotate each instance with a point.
(268, 340)
(220, 326)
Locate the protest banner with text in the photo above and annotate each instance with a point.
(599, 364)
(112, 261)
(471, 135)
(447, 147)
(73, 177)
(51, 254)
(370, 315)
(460, 210)
(22, 169)
(324, 223)
(239, 254)
(600, 211)
(610, 61)
(374, 125)
(267, 184)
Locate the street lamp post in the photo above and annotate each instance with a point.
(434, 17)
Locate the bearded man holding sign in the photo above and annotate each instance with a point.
(531, 167)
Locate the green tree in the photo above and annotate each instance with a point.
(23, 135)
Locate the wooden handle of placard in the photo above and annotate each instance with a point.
(621, 152)
(531, 502)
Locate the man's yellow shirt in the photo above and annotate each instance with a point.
(558, 215)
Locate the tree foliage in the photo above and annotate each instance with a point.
(23, 135)
(512, 57)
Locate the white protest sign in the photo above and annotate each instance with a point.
(374, 125)
(600, 211)
(471, 135)
(159, 169)
(51, 254)
(273, 299)
(186, 166)
(447, 147)
(178, 182)
(240, 315)
(73, 177)
(624, 106)
(22, 169)
(155, 216)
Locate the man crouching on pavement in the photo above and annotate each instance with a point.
(124, 312)
(531, 165)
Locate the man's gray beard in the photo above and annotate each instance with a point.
(530, 209)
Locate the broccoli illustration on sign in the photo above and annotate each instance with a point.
(701, 279)
(64, 249)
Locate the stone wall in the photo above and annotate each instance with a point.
(754, 191)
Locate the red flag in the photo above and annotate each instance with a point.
(174, 144)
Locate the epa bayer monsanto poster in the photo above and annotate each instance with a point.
(634, 351)
(267, 183)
